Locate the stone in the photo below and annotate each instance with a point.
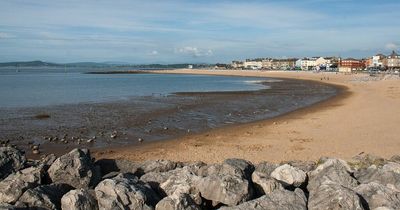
(264, 184)
(332, 170)
(177, 202)
(384, 177)
(6, 206)
(75, 168)
(11, 160)
(121, 166)
(331, 195)
(158, 166)
(228, 189)
(363, 160)
(266, 167)
(125, 191)
(12, 187)
(182, 182)
(45, 196)
(279, 199)
(246, 167)
(392, 167)
(379, 196)
(80, 199)
(289, 175)
(305, 166)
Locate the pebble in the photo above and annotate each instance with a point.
(35, 147)
(36, 152)
(165, 128)
(90, 140)
(140, 140)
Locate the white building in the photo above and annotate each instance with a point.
(377, 60)
(253, 65)
(306, 63)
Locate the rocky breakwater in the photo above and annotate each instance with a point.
(77, 181)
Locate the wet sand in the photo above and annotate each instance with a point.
(364, 118)
(118, 124)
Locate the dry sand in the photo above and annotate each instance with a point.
(364, 118)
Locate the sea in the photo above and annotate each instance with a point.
(33, 87)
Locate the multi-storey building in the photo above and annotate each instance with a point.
(393, 61)
(350, 65)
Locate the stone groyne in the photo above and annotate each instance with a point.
(77, 181)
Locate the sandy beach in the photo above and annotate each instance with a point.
(362, 119)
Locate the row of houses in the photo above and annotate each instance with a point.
(377, 62)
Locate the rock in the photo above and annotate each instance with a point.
(377, 195)
(125, 192)
(264, 184)
(6, 206)
(384, 177)
(244, 166)
(182, 182)
(75, 168)
(332, 170)
(279, 199)
(12, 187)
(11, 160)
(177, 202)
(122, 166)
(392, 167)
(79, 199)
(363, 160)
(158, 166)
(289, 175)
(266, 168)
(331, 195)
(305, 166)
(45, 196)
(228, 189)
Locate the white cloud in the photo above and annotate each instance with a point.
(4, 35)
(194, 51)
(392, 46)
(154, 52)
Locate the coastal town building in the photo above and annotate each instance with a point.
(393, 61)
(284, 64)
(306, 64)
(326, 63)
(251, 64)
(350, 64)
(237, 64)
(267, 63)
(378, 61)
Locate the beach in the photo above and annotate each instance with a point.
(363, 118)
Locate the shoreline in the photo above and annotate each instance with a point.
(174, 149)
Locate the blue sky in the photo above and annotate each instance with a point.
(174, 31)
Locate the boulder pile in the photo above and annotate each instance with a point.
(77, 181)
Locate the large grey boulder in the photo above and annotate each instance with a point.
(362, 161)
(289, 175)
(183, 182)
(279, 199)
(379, 196)
(6, 206)
(11, 160)
(331, 195)
(75, 168)
(125, 191)
(264, 184)
(266, 167)
(305, 166)
(157, 166)
(332, 170)
(12, 187)
(230, 190)
(116, 165)
(177, 202)
(382, 176)
(244, 166)
(80, 199)
(45, 196)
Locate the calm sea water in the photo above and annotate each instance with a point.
(42, 87)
